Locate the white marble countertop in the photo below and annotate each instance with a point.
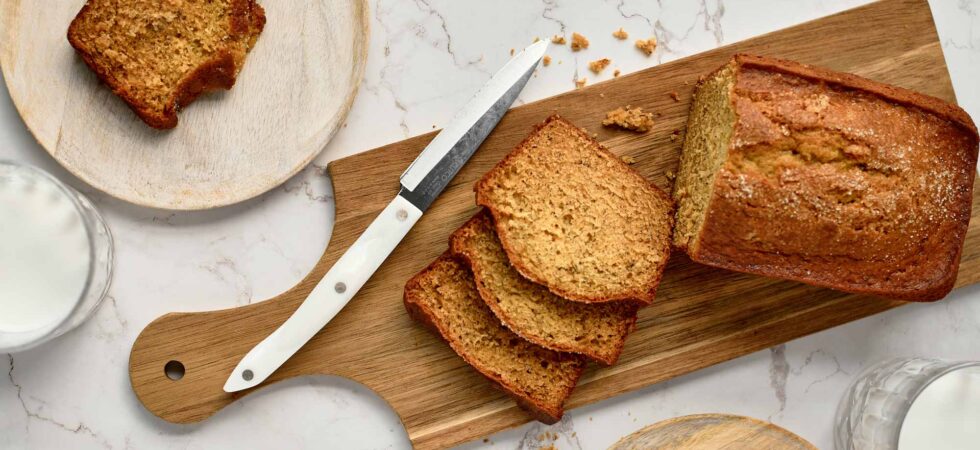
(426, 58)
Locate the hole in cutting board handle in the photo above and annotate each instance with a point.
(174, 370)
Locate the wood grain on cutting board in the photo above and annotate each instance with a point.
(702, 316)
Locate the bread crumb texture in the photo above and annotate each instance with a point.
(579, 42)
(616, 73)
(445, 297)
(599, 65)
(621, 34)
(546, 61)
(596, 330)
(580, 82)
(573, 217)
(629, 118)
(160, 55)
(558, 39)
(647, 45)
(787, 174)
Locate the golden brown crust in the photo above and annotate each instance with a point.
(896, 94)
(641, 297)
(841, 182)
(419, 311)
(603, 356)
(247, 20)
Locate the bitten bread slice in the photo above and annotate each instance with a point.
(573, 217)
(444, 297)
(595, 330)
(798, 172)
(160, 55)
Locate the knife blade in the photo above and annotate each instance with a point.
(421, 183)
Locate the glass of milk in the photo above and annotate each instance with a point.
(911, 404)
(55, 257)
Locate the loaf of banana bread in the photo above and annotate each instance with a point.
(826, 178)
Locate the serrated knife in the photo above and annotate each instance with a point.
(421, 183)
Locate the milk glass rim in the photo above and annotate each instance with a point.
(83, 211)
(953, 367)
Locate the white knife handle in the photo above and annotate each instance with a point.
(337, 287)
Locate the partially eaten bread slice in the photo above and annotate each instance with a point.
(161, 55)
(595, 330)
(574, 217)
(445, 298)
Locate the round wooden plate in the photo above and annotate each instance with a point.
(290, 98)
(710, 432)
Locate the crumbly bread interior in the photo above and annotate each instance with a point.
(531, 310)
(709, 132)
(446, 294)
(573, 217)
(147, 50)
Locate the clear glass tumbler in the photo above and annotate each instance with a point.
(907, 393)
(45, 191)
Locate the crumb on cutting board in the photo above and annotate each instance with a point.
(647, 45)
(628, 159)
(670, 175)
(616, 73)
(579, 42)
(599, 65)
(674, 95)
(558, 39)
(580, 82)
(629, 118)
(621, 34)
(546, 61)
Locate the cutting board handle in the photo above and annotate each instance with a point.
(180, 361)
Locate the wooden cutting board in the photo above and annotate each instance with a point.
(702, 316)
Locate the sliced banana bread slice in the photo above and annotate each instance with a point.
(595, 330)
(159, 56)
(574, 217)
(444, 297)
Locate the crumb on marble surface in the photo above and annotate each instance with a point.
(558, 39)
(546, 61)
(616, 73)
(629, 118)
(580, 82)
(599, 65)
(647, 45)
(579, 42)
(621, 34)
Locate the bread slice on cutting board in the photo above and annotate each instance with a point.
(575, 218)
(161, 55)
(444, 297)
(597, 330)
(797, 172)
